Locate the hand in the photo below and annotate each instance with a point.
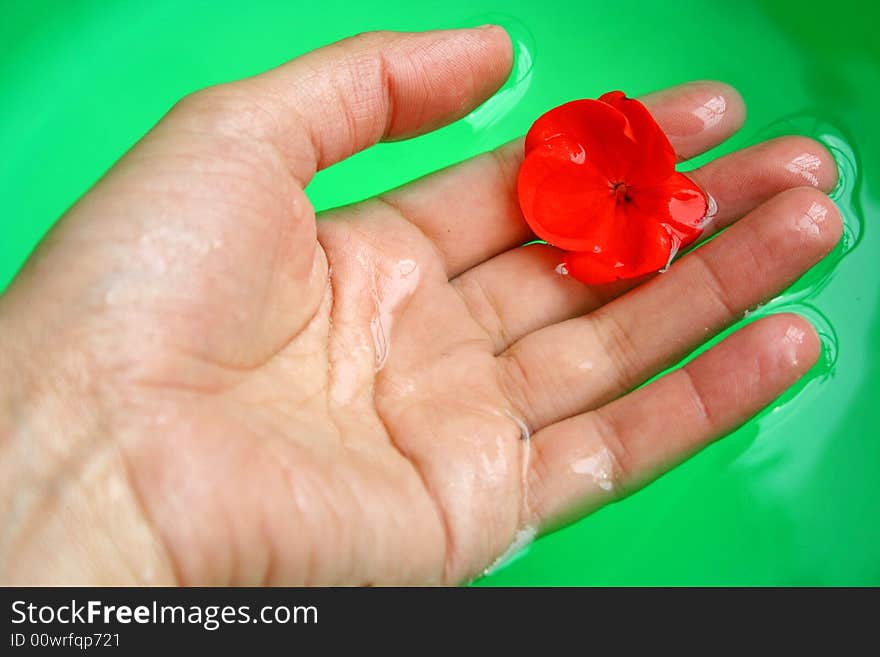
(202, 384)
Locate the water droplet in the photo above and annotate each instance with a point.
(599, 466)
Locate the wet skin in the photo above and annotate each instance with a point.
(202, 384)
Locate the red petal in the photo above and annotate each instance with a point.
(656, 157)
(590, 268)
(564, 198)
(596, 126)
(677, 202)
(639, 247)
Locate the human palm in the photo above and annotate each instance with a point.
(397, 392)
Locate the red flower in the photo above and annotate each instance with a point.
(599, 181)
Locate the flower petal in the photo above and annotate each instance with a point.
(590, 268)
(677, 202)
(639, 247)
(564, 198)
(598, 127)
(656, 157)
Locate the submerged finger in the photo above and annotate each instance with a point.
(585, 461)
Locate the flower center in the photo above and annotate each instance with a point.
(620, 191)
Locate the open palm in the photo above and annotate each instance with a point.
(400, 391)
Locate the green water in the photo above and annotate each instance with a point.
(793, 497)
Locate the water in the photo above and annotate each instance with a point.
(789, 498)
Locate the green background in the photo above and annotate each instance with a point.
(790, 498)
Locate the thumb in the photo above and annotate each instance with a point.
(203, 230)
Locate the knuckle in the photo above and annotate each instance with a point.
(202, 102)
(227, 110)
(619, 346)
(698, 399)
(714, 282)
(370, 38)
(622, 466)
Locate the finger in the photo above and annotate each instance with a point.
(331, 103)
(519, 291)
(470, 211)
(582, 462)
(581, 363)
(697, 116)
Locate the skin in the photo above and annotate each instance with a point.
(192, 390)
